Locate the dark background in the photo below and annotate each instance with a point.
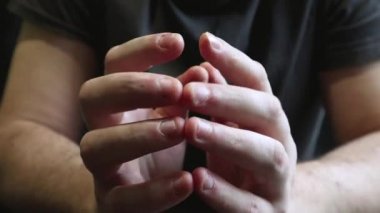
(9, 27)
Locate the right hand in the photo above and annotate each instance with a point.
(135, 147)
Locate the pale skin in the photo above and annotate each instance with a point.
(41, 161)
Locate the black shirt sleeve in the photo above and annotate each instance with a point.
(77, 18)
(350, 33)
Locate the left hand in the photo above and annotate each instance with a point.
(251, 153)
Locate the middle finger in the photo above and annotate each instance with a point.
(249, 108)
(249, 150)
(119, 92)
(127, 142)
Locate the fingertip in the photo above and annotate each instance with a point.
(196, 94)
(177, 88)
(171, 88)
(111, 53)
(180, 123)
(109, 59)
(172, 128)
(191, 128)
(171, 43)
(197, 175)
(214, 74)
(206, 65)
(180, 44)
(199, 74)
(194, 74)
(204, 46)
(209, 45)
(187, 94)
(183, 185)
(203, 180)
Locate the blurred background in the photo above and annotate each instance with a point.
(9, 27)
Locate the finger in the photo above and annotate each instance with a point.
(124, 143)
(224, 197)
(119, 92)
(217, 78)
(246, 149)
(142, 53)
(252, 109)
(193, 74)
(214, 74)
(202, 73)
(234, 65)
(154, 196)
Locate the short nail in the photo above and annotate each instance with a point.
(165, 82)
(214, 41)
(178, 187)
(201, 95)
(168, 128)
(167, 40)
(208, 183)
(203, 128)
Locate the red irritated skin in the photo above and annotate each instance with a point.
(253, 166)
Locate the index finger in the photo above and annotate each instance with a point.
(142, 53)
(235, 66)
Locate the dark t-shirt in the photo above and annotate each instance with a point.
(293, 39)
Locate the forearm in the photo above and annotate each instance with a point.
(42, 171)
(345, 180)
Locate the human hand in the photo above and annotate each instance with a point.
(250, 151)
(134, 149)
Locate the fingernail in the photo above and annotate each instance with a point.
(178, 186)
(204, 125)
(208, 183)
(203, 128)
(168, 40)
(201, 95)
(168, 128)
(165, 82)
(214, 41)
